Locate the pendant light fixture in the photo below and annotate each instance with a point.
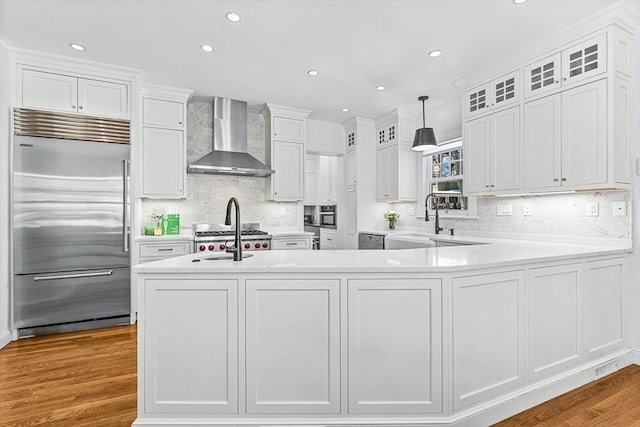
(425, 139)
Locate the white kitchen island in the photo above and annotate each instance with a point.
(462, 335)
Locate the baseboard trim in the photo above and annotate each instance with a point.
(5, 338)
(486, 413)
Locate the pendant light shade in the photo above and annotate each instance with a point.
(425, 139)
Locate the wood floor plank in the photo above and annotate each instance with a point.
(79, 379)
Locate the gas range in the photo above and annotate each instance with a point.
(216, 237)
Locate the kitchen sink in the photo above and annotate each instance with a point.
(408, 241)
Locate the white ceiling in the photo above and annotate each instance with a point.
(354, 44)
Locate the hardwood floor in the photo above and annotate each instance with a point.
(88, 378)
(612, 401)
(77, 379)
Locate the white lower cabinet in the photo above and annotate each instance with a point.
(190, 346)
(328, 239)
(395, 346)
(605, 306)
(554, 307)
(487, 336)
(293, 346)
(301, 242)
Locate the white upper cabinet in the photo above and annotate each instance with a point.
(163, 113)
(395, 173)
(583, 60)
(351, 165)
(565, 143)
(285, 148)
(573, 129)
(164, 147)
(288, 129)
(288, 161)
(488, 97)
(71, 94)
(492, 150)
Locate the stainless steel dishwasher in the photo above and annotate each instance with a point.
(370, 241)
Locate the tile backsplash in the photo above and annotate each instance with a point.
(559, 214)
(207, 195)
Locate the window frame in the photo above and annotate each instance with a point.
(425, 181)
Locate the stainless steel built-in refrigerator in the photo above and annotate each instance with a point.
(70, 233)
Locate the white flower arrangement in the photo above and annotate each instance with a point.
(391, 215)
(392, 218)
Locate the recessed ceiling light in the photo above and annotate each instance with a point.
(379, 88)
(519, 1)
(312, 72)
(435, 53)
(233, 17)
(345, 110)
(76, 46)
(206, 48)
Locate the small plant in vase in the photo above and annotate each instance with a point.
(392, 218)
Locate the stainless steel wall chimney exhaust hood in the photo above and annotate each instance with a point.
(229, 155)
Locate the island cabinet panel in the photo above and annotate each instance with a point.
(395, 346)
(604, 306)
(191, 346)
(488, 330)
(293, 346)
(554, 326)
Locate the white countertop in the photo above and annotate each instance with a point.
(492, 253)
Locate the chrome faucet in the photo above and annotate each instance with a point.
(438, 229)
(237, 244)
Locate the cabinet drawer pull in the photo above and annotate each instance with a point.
(556, 179)
(165, 249)
(564, 179)
(291, 243)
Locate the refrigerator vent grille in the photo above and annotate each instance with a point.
(48, 124)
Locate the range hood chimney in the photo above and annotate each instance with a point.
(229, 155)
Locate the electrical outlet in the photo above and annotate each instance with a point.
(412, 211)
(504, 210)
(283, 212)
(528, 210)
(620, 208)
(592, 208)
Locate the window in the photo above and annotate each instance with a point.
(443, 175)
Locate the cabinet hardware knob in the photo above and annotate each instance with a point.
(556, 179)
(564, 79)
(73, 106)
(557, 81)
(492, 185)
(487, 185)
(179, 123)
(564, 179)
(80, 107)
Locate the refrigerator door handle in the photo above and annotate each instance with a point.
(73, 276)
(125, 201)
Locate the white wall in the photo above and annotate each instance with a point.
(324, 138)
(207, 195)
(5, 111)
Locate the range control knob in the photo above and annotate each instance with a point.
(211, 247)
(265, 245)
(247, 245)
(222, 247)
(257, 245)
(202, 247)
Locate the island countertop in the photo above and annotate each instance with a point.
(487, 253)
